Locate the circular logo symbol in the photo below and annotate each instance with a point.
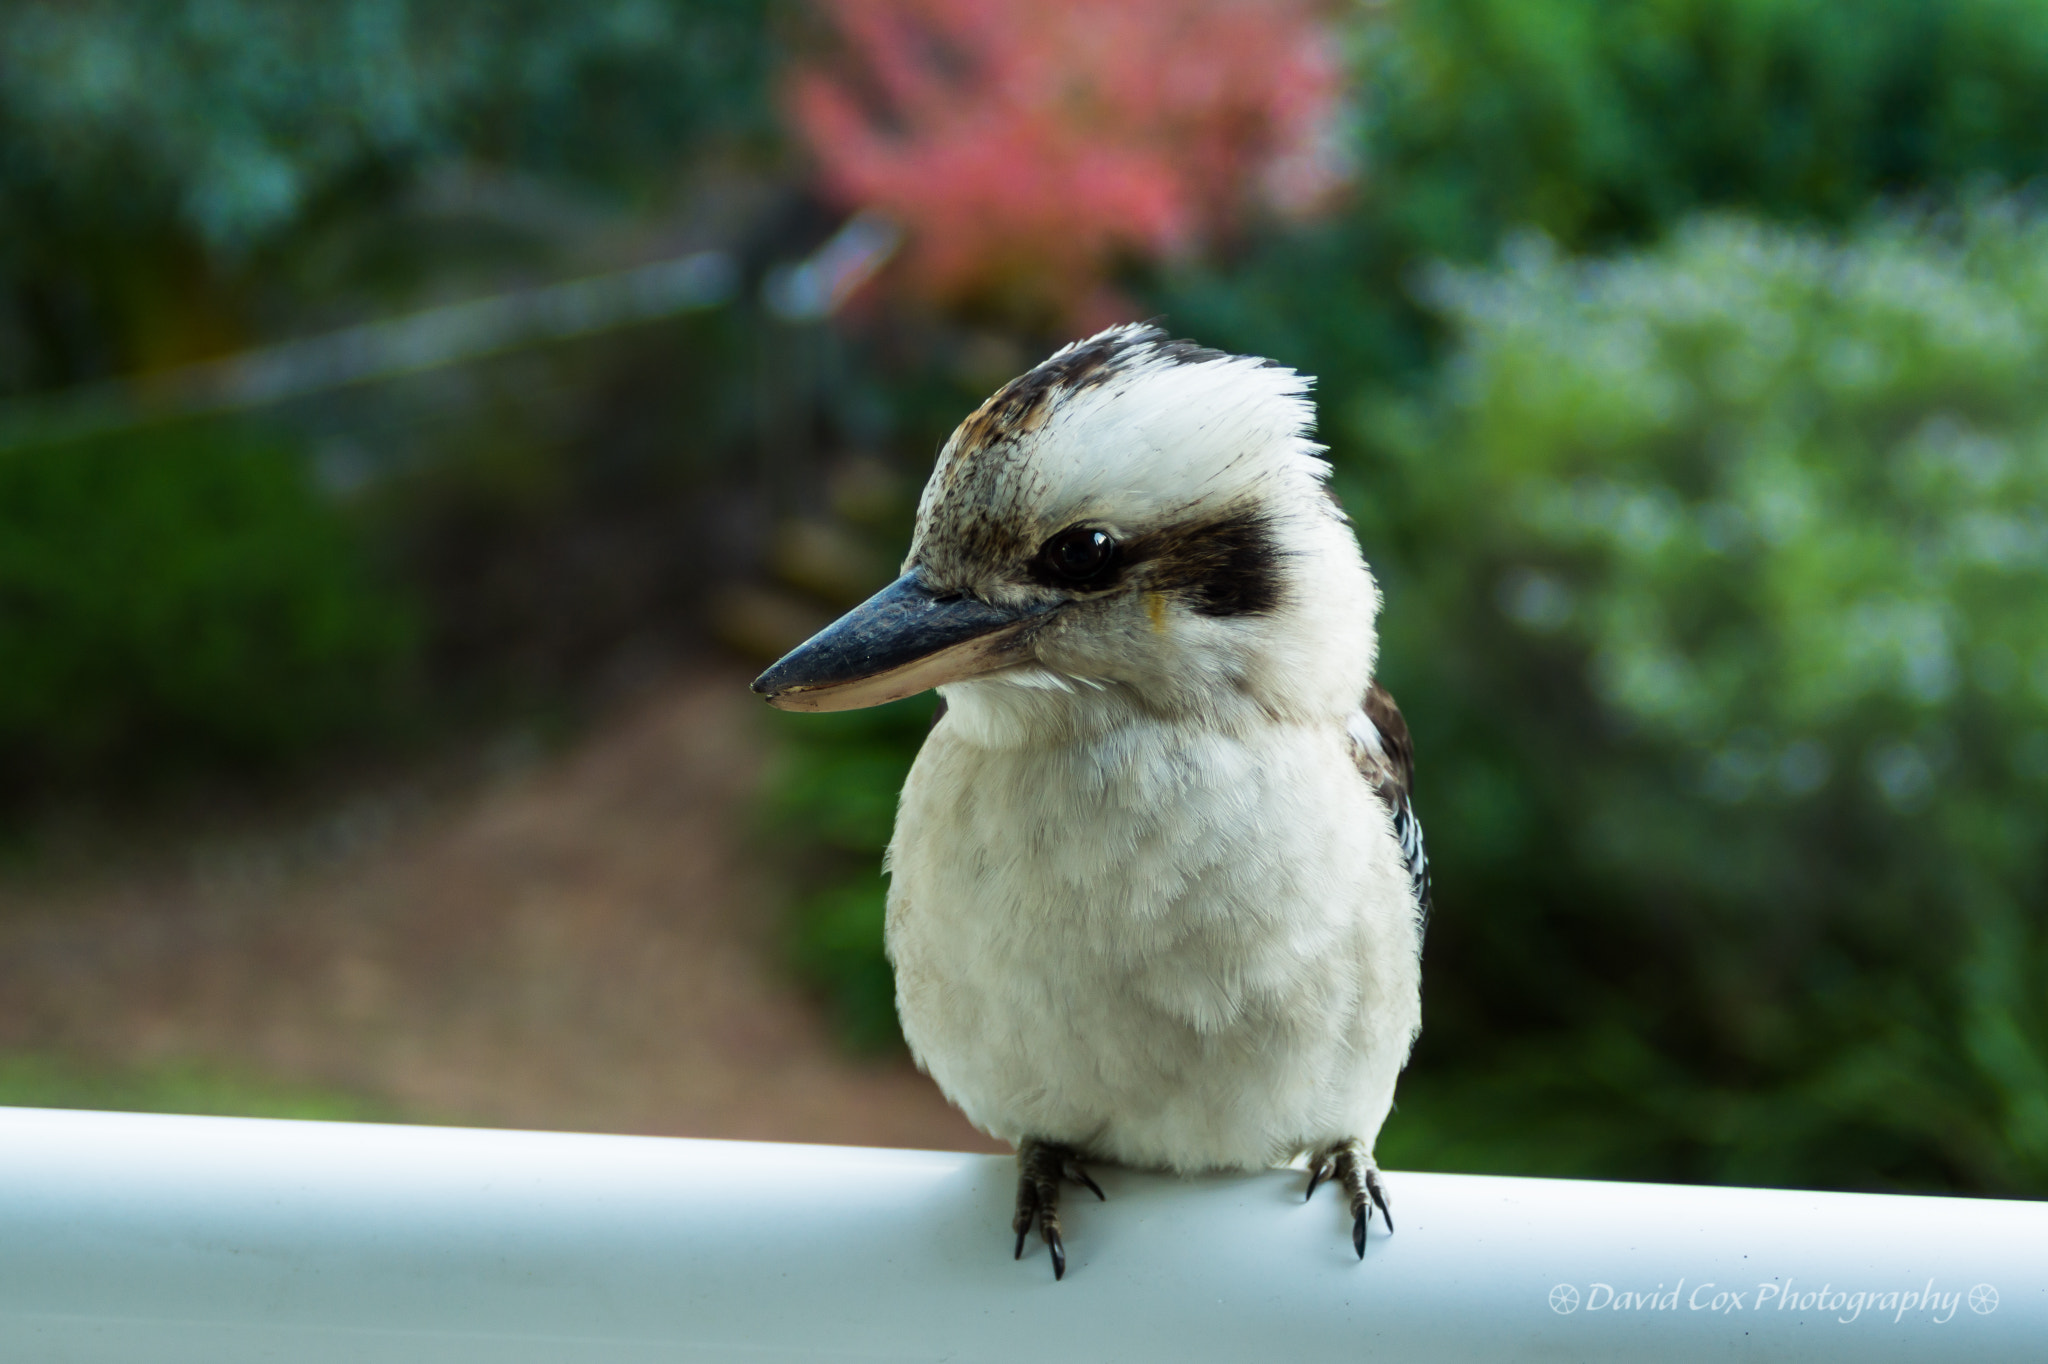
(1983, 1300)
(1564, 1300)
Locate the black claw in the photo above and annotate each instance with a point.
(1041, 1166)
(1081, 1176)
(1358, 1232)
(1372, 1186)
(1315, 1177)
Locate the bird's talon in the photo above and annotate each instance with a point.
(1316, 1171)
(1349, 1163)
(1041, 1165)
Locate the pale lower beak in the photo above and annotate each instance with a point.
(897, 643)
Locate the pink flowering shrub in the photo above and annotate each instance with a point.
(1031, 146)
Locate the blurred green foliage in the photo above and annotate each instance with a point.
(232, 117)
(165, 162)
(1730, 695)
(183, 179)
(1604, 124)
(1597, 122)
(177, 596)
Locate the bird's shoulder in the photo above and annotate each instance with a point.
(1385, 753)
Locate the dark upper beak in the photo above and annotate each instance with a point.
(897, 643)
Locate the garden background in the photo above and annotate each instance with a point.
(417, 421)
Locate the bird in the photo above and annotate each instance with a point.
(1157, 884)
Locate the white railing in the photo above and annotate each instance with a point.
(128, 1237)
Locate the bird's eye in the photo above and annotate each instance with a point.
(1078, 553)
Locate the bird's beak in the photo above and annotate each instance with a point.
(897, 643)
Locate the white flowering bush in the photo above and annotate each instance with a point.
(1719, 592)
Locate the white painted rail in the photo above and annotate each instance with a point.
(130, 1237)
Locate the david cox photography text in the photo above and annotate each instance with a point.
(1928, 1302)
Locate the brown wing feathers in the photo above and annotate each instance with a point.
(1386, 758)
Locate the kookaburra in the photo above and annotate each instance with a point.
(1157, 891)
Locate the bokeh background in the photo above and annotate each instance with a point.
(418, 421)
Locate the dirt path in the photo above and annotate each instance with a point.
(580, 946)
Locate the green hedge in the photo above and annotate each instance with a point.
(1598, 122)
(181, 596)
(1722, 614)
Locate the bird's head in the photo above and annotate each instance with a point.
(1135, 523)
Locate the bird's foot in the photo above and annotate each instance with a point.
(1350, 1164)
(1041, 1165)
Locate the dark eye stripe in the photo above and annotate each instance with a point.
(1229, 566)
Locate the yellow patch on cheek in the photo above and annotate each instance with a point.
(1155, 607)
